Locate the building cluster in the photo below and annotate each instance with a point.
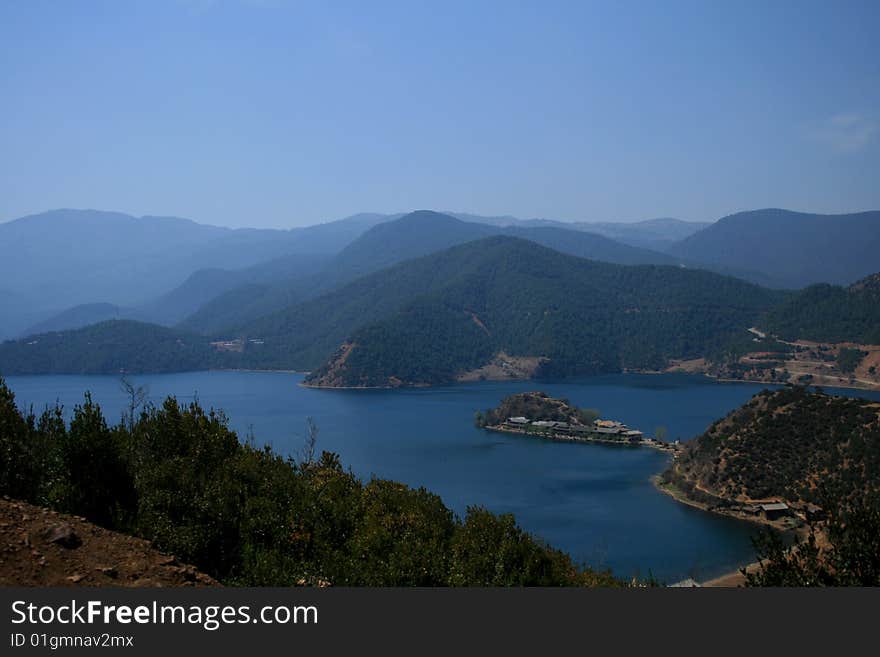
(606, 430)
(787, 515)
(236, 345)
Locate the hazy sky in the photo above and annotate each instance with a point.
(274, 113)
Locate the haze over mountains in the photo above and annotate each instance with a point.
(427, 319)
(117, 265)
(53, 261)
(416, 234)
(302, 293)
(654, 234)
(792, 249)
(485, 301)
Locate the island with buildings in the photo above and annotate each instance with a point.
(537, 414)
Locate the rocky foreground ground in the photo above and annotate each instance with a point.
(39, 547)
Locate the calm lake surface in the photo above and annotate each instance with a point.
(594, 501)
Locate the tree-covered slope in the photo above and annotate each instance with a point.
(205, 288)
(414, 235)
(106, 348)
(304, 335)
(829, 313)
(790, 444)
(429, 319)
(793, 249)
(508, 294)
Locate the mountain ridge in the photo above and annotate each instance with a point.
(794, 249)
(464, 323)
(411, 236)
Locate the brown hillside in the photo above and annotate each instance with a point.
(39, 547)
(791, 444)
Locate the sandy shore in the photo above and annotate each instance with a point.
(731, 580)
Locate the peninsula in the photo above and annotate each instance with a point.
(783, 459)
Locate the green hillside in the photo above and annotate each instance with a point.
(783, 444)
(412, 236)
(829, 313)
(789, 249)
(107, 348)
(507, 294)
(429, 319)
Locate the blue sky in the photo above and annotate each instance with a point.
(274, 113)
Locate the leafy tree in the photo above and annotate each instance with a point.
(402, 537)
(848, 359)
(94, 480)
(18, 449)
(491, 550)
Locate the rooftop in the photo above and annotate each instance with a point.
(774, 506)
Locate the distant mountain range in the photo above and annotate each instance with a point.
(430, 319)
(197, 291)
(219, 298)
(53, 261)
(411, 236)
(484, 302)
(652, 234)
(296, 291)
(790, 249)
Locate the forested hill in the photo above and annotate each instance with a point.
(424, 231)
(789, 249)
(411, 236)
(429, 319)
(791, 444)
(109, 347)
(508, 295)
(829, 313)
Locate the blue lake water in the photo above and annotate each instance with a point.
(594, 501)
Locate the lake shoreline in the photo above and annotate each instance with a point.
(680, 496)
(734, 578)
(596, 504)
(660, 447)
(843, 385)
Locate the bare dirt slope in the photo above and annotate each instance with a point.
(39, 547)
(504, 367)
